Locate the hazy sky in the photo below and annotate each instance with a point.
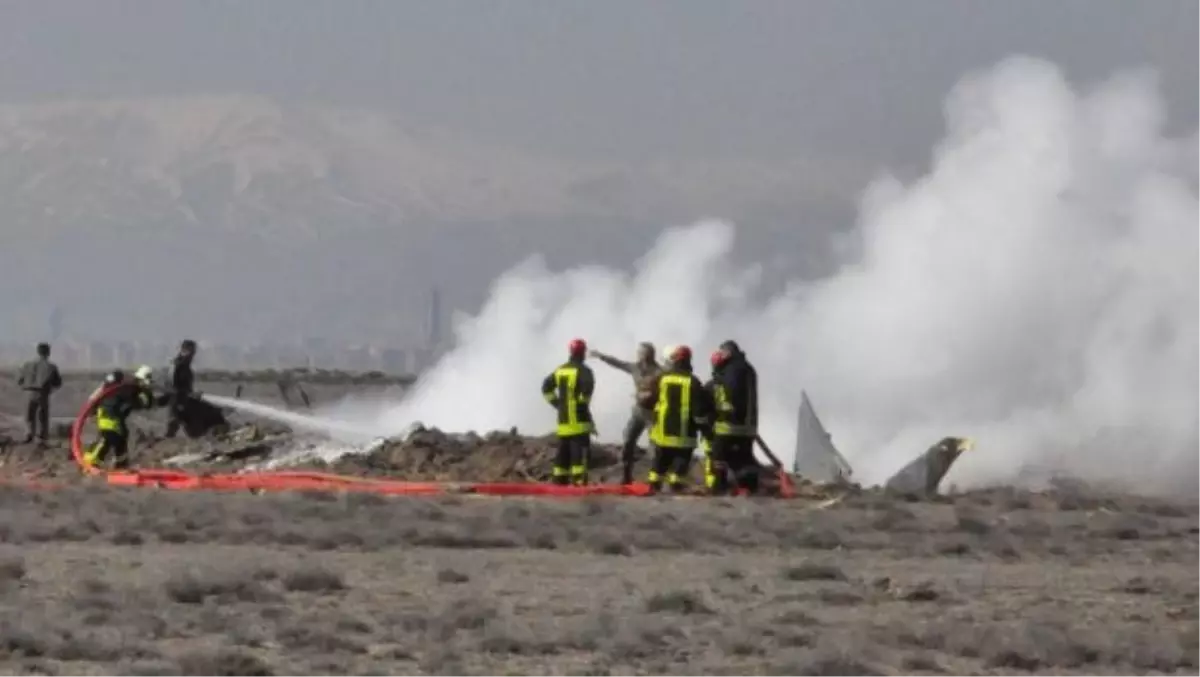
(621, 78)
(859, 83)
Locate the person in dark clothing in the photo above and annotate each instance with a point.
(181, 383)
(39, 378)
(643, 370)
(736, 425)
(569, 390)
(683, 410)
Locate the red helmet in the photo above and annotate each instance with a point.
(577, 348)
(716, 358)
(681, 354)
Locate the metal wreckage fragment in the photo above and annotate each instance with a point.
(818, 460)
(924, 473)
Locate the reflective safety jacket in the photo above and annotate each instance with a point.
(683, 407)
(736, 395)
(569, 390)
(113, 410)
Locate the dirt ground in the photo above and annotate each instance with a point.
(95, 580)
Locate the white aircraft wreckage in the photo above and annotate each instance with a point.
(818, 460)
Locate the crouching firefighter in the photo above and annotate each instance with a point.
(113, 411)
(569, 390)
(735, 391)
(682, 411)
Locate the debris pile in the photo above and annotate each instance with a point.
(430, 454)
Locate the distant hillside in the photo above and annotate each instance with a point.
(239, 163)
(240, 218)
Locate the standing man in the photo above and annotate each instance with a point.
(643, 370)
(569, 390)
(39, 378)
(682, 409)
(181, 382)
(736, 426)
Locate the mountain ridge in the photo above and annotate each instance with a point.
(234, 162)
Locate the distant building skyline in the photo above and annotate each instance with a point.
(79, 354)
(73, 349)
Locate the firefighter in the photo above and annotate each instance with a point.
(113, 411)
(181, 383)
(713, 469)
(643, 370)
(569, 390)
(736, 426)
(682, 410)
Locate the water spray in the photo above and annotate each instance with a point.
(339, 431)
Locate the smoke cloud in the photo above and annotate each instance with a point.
(1036, 291)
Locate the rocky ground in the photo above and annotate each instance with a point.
(96, 580)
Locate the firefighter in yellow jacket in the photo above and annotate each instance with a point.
(569, 390)
(112, 412)
(683, 409)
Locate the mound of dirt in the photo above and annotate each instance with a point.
(431, 454)
(497, 456)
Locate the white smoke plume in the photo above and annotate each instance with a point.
(1036, 291)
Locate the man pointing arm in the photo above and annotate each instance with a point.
(643, 370)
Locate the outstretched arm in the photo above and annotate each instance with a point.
(613, 362)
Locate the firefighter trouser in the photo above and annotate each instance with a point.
(732, 455)
(37, 416)
(710, 466)
(634, 427)
(672, 464)
(114, 442)
(175, 411)
(571, 462)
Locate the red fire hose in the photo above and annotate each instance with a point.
(295, 480)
